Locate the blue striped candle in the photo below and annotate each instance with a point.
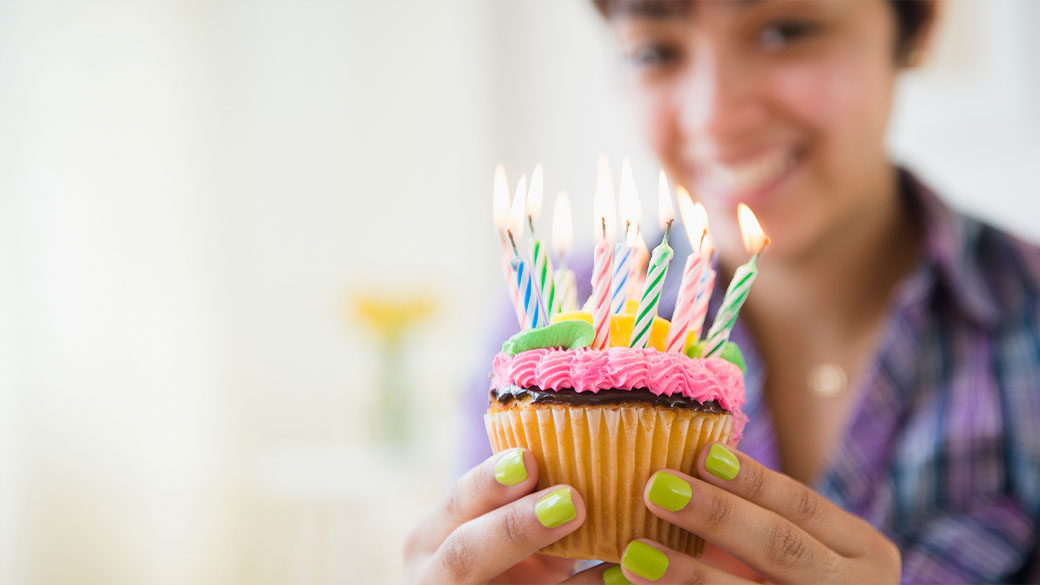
(530, 298)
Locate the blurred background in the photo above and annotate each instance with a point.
(246, 256)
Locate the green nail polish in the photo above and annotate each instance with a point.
(510, 470)
(644, 560)
(555, 508)
(669, 492)
(614, 576)
(721, 462)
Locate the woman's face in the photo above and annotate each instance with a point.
(780, 104)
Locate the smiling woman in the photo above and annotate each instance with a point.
(892, 344)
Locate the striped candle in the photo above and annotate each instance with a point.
(562, 228)
(621, 283)
(685, 303)
(647, 311)
(638, 274)
(754, 240)
(625, 252)
(514, 292)
(543, 275)
(601, 273)
(700, 311)
(566, 290)
(735, 296)
(530, 299)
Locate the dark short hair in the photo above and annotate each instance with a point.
(911, 16)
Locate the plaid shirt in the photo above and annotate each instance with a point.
(942, 452)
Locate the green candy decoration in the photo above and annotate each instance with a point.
(574, 334)
(730, 352)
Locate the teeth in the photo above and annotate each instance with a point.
(751, 175)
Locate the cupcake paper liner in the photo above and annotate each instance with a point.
(608, 453)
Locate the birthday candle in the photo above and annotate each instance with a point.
(603, 260)
(529, 299)
(695, 224)
(754, 240)
(704, 288)
(624, 252)
(638, 275)
(543, 269)
(563, 226)
(659, 260)
(500, 214)
(601, 291)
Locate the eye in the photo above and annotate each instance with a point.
(778, 34)
(653, 55)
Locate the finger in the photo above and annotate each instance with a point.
(646, 561)
(488, 545)
(739, 474)
(498, 480)
(766, 542)
(601, 574)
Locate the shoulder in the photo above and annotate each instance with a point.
(1008, 268)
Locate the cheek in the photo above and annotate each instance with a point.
(841, 104)
(656, 117)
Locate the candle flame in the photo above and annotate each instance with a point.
(536, 193)
(755, 239)
(694, 217)
(518, 212)
(628, 196)
(666, 213)
(563, 225)
(603, 201)
(500, 201)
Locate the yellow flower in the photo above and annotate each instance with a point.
(389, 314)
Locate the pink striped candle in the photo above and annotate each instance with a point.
(685, 303)
(691, 290)
(700, 311)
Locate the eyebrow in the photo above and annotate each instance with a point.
(653, 9)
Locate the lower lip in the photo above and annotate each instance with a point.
(759, 195)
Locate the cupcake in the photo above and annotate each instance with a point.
(605, 420)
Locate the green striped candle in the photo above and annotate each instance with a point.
(735, 296)
(755, 240)
(651, 298)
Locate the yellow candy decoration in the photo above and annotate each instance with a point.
(621, 326)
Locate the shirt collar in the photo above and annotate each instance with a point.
(949, 243)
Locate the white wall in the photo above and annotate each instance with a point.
(190, 191)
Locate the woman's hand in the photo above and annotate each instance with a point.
(778, 527)
(489, 528)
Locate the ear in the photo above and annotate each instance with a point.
(923, 42)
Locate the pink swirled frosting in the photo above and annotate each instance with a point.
(624, 368)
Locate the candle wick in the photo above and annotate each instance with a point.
(667, 231)
(765, 242)
(513, 242)
(704, 234)
(604, 223)
(530, 222)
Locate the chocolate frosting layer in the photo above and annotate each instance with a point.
(569, 396)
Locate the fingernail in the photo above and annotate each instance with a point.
(614, 576)
(669, 492)
(555, 508)
(644, 560)
(510, 469)
(721, 462)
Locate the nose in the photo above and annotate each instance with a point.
(718, 101)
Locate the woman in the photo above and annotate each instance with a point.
(894, 360)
